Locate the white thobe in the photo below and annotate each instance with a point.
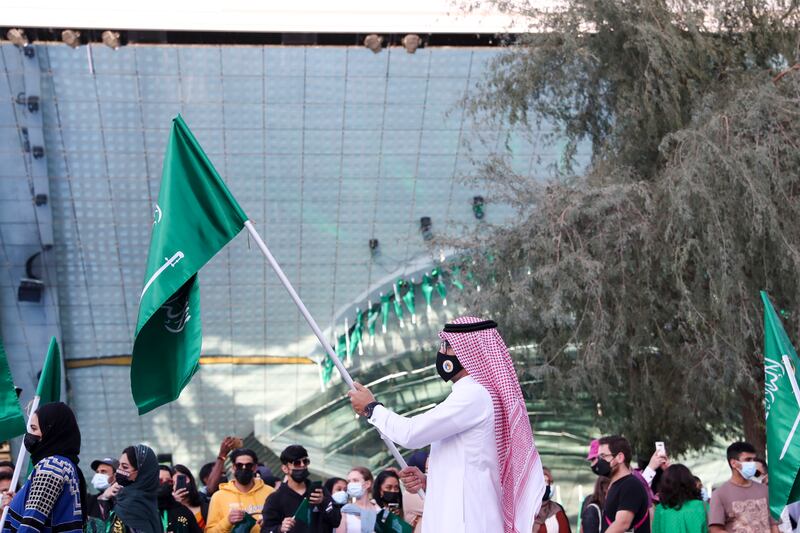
(463, 492)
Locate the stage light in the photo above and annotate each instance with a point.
(111, 39)
(71, 38)
(17, 37)
(411, 42)
(477, 207)
(425, 227)
(374, 42)
(373, 247)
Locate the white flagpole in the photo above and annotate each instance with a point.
(315, 328)
(20, 460)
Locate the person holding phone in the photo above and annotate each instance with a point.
(283, 505)
(186, 494)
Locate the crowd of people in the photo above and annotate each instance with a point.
(135, 494)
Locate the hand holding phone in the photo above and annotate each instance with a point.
(181, 482)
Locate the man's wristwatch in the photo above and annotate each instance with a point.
(369, 408)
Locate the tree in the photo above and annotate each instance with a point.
(637, 280)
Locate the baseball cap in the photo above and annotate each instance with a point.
(594, 450)
(113, 463)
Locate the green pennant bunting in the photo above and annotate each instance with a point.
(355, 336)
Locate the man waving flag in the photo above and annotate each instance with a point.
(782, 406)
(195, 217)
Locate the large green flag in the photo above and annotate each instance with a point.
(12, 421)
(49, 388)
(782, 408)
(195, 217)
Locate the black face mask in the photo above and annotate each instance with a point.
(31, 442)
(244, 476)
(391, 497)
(546, 493)
(447, 366)
(299, 476)
(122, 479)
(602, 467)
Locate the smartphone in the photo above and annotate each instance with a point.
(660, 448)
(181, 482)
(393, 505)
(315, 485)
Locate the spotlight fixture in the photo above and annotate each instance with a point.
(31, 287)
(111, 39)
(373, 41)
(373, 247)
(71, 38)
(411, 42)
(17, 37)
(425, 227)
(477, 207)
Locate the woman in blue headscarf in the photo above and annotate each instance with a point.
(54, 496)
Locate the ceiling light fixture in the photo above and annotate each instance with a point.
(373, 41)
(71, 38)
(411, 42)
(17, 37)
(111, 39)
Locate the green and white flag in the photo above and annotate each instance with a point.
(303, 512)
(408, 298)
(12, 421)
(195, 217)
(782, 407)
(427, 290)
(385, 298)
(49, 388)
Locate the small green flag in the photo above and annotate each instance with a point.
(782, 413)
(427, 290)
(372, 320)
(245, 525)
(387, 522)
(49, 388)
(12, 420)
(303, 512)
(195, 217)
(385, 299)
(455, 278)
(441, 288)
(398, 304)
(408, 299)
(327, 369)
(355, 336)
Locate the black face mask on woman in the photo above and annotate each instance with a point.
(122, 479)
(391, 497)
(447, 366)
(31, 442)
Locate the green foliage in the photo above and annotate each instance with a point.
(637, 281)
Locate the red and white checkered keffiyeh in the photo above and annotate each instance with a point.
(485, 356)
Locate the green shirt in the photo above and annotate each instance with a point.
(690, 518)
